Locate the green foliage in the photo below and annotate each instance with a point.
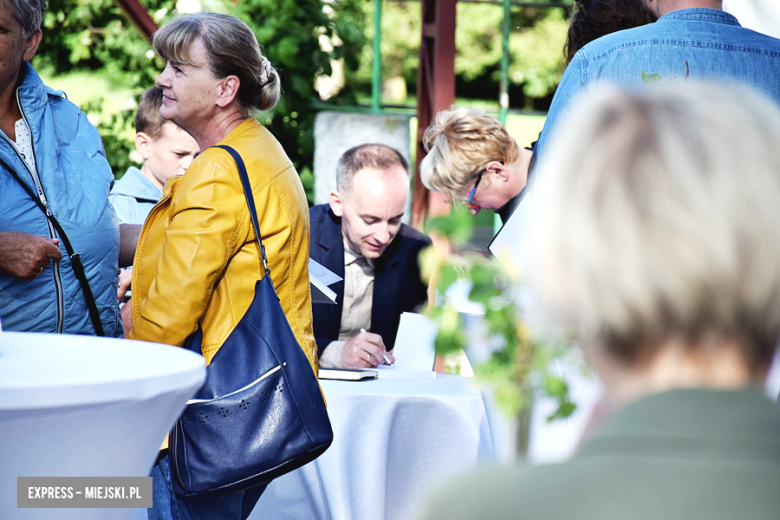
(457, 226)
(537, 54)
(302, 38)
(477, 39)
(400, 45)
(535, 45)
(651, 78)
(95, 35)
(513, 355)
(348, 21)
(451, 337)
(290, 32)
(307, 179)
(557, 388)
(118, 133)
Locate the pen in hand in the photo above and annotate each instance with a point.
(387, 359)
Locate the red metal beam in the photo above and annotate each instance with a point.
(139, 16)
(435, 92)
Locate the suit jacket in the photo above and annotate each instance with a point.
(398, 285)
(679, 455)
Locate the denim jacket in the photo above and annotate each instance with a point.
(688, 43)
(133, 197)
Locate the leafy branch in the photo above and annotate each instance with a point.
(503, 350)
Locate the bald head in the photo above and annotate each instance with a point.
(374, 156)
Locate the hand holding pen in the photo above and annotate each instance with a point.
(366, 350)
(387, 359)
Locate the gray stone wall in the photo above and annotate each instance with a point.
(337, 132)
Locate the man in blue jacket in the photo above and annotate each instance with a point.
(691, 39)
(56, 224)
(360, 237)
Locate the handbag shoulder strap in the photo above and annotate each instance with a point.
(250, 201)
(75, 258)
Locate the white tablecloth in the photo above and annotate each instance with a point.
(394, 440)
(78, 406)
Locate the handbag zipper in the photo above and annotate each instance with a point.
(42, 198)
(253, 383)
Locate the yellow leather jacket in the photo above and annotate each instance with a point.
(197, 258)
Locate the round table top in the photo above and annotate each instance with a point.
(53, 370)
(440, 385)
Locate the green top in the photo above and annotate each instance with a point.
(682, 454)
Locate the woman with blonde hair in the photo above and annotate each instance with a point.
(473, 159)
(198, 259)
(471, 156)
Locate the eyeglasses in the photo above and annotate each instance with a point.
(468, 202)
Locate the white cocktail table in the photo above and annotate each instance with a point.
(77, 406)
(394, 440)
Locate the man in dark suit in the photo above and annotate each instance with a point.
(359, 236)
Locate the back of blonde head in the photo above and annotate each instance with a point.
(657, 219)
(233, 50)
(460, 143)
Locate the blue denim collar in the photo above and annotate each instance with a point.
(703, 14)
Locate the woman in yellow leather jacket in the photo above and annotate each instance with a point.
(197, 258)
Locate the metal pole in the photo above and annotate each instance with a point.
(376, 76)
(435, 92)
(503, 99)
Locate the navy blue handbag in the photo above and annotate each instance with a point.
(260, 413)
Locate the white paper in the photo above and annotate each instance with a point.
(327, 291)
(415, 342)
(513, 238)
(322, 273)
(396, 372)
(320, 277)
